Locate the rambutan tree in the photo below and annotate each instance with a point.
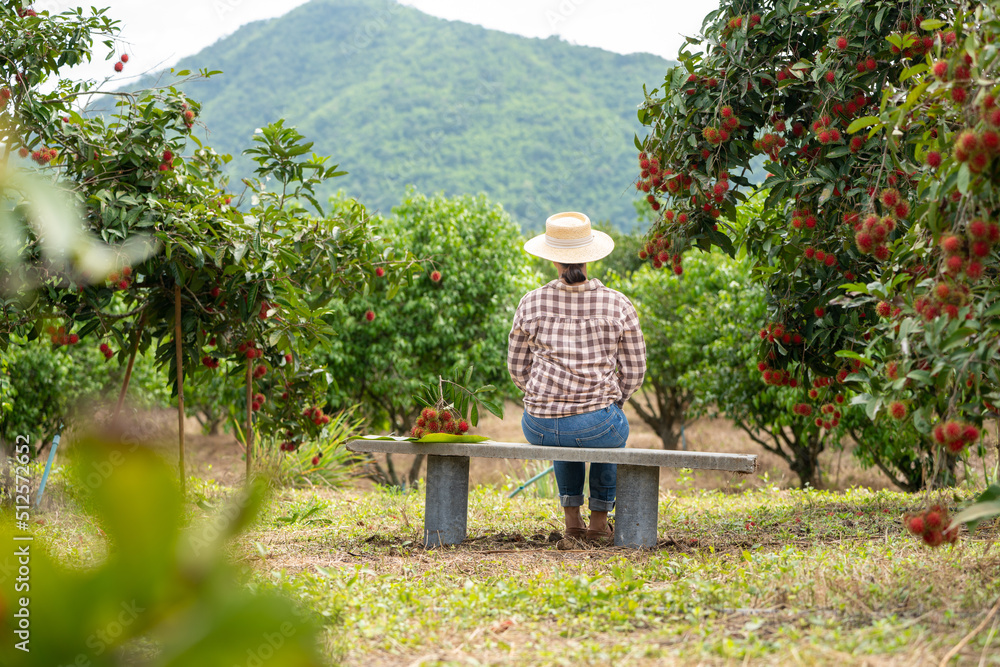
(681, 317)
(453, 316)
(166, 261)
(878, 126)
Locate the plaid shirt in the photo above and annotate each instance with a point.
(575, 349)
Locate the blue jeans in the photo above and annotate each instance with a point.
(607, 427)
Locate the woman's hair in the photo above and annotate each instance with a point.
(573, 273)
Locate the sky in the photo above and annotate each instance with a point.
(156, 34)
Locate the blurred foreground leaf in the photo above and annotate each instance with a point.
(165, 583)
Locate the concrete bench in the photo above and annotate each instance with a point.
(636, 505)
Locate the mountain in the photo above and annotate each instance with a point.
(399, 97)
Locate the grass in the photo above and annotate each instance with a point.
(762, 576)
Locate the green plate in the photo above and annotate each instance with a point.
(448, 437)
(433, 437)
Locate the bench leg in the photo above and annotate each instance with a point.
(637, 506)
(447, 500)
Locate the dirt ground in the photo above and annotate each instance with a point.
(220, 458)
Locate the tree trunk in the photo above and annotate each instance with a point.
(414, 474)
(249, 430)
(667, 417)
(804, 460)
(179, 348)
(670, 438)
(131, 364)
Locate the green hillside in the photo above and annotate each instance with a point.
(398, 97)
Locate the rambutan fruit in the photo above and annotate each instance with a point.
(864, 242)
(951, 244)
(952, 431)
(978, 162)
(978, 229)
(968, 141)
(889, 197)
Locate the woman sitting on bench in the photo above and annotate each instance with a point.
(577, 353)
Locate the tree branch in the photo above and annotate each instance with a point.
(774, 449)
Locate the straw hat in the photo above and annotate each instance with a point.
(569, 239)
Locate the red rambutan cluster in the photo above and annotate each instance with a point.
(316, 416)
(776, 377)
(946, 297)
(822, 382)
(44, 155)
(830, 417)
(955, 435)
(932, 526)
(249, 349)
(775, 332)
(652, 179)
(871, 233)
(804, 219)
(120, 280)
(824, 130)
(802, 409)
(770, 144)
(438, 421)
(59, 337)
(977, 149)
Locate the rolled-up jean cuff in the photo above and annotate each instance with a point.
(571, 501)
(597, 505)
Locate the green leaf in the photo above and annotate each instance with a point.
(986, 506)
(448, 437)
(964, 177)
(847, 354)
(859, 123)
(923, 377)
(910, 72)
